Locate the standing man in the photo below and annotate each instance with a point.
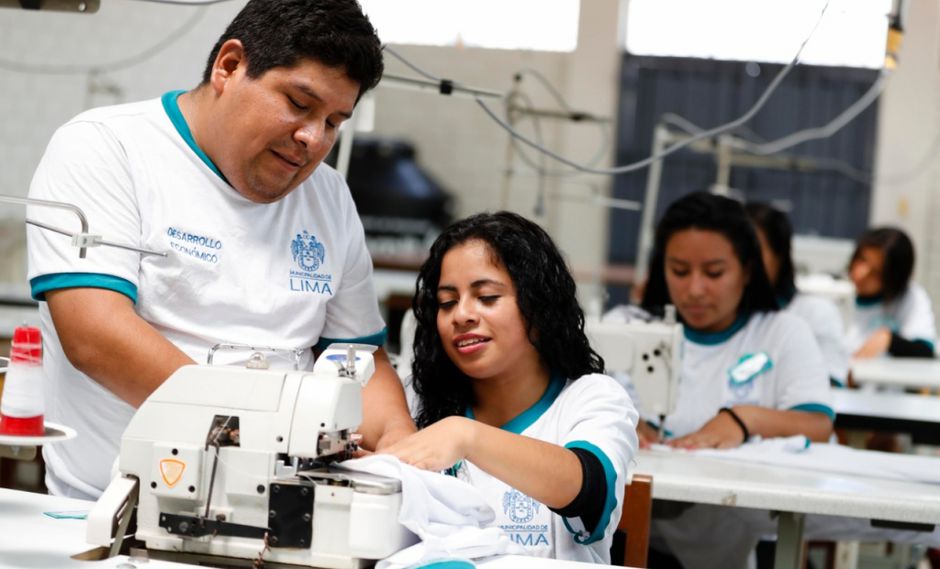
(264, 245)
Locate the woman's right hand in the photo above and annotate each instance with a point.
(647, 434)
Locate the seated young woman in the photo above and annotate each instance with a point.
(775, 235)
(893, 315)
(511, 397)
(747, 368)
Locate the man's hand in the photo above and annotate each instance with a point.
(646, 434)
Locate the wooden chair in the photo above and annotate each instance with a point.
(635, 520)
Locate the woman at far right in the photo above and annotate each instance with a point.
(893, 315)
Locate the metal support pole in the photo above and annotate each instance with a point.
(654, 177)
(789, 540)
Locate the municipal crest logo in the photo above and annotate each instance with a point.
(519, 507)
(307, 251)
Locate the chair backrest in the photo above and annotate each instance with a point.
(635, 520)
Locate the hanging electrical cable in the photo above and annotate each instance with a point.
(762, 100)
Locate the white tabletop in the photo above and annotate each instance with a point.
(906, 372)
(31, 540)
(883, 405)
(688, 478)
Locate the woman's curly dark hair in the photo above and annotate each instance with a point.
(545, 292)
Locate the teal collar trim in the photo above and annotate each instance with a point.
(525, 419)
(715, 338)
(868, 300)
(172, 109)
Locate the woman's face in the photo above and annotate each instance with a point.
(867, 271)
(705, 278)
(478, 319)
(771, 261)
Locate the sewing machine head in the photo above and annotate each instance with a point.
(648, 351)
(232, 461)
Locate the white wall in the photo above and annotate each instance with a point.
(454, 139)
(906, 192)
(34, 102)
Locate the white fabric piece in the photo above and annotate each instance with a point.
(824, 319)
(910, 316)
(284, 274)
(835, 459)
(451, 517)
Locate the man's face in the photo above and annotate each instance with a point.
(270, 133)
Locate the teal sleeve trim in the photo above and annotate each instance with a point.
(816, 408)
(524, 420)
(610, 504)
(377, 339)
(925, 341)
(44, 283)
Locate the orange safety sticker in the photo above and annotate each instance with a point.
(171, 470)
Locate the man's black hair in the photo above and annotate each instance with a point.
(281, 33)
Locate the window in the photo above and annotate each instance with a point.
(851, 34)
(544, 25)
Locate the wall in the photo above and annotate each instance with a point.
(454, 139)
(468, 153)
(54, 65)
(906, 191)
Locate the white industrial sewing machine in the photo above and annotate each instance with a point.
(650, 352)
(236, 462)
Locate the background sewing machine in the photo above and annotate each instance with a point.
(238, 462)
(649, 352)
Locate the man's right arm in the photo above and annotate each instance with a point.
(104, 338)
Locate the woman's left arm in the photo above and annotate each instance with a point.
(723, 431)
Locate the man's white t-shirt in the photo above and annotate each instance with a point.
(909, 316)
(593, 413)
(769, 359)
(825, 321)
(289, 275)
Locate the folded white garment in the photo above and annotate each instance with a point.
(451, 517)
(796, 452)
